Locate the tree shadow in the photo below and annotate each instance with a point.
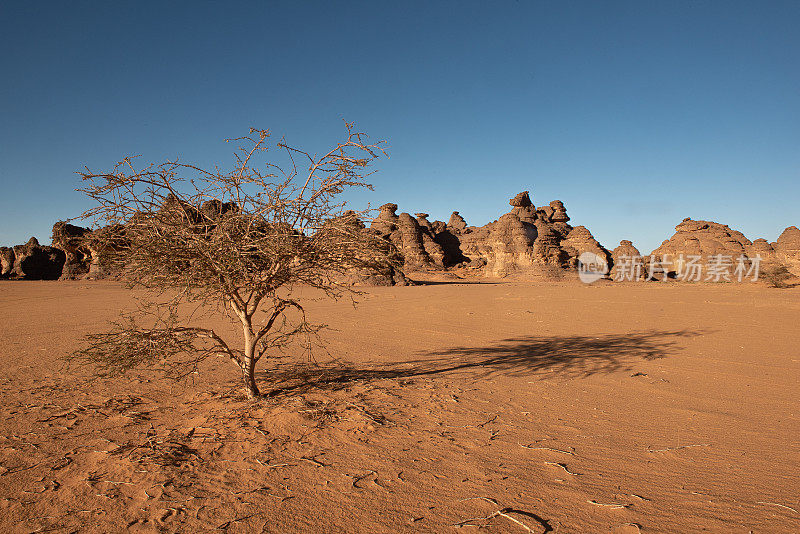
(564, 356)
(452, 282)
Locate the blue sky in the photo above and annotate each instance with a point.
(635, 114)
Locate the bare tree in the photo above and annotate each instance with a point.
(238, 242)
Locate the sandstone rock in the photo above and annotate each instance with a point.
(449, 243)
(760, 247)
(627, 263)
(72, 240)
(700, 238)
(6, 261)
(105, 245)
(559, 214)
(422, 220)
(787, 249)
(547, 247)
(35, 262)
(386, 221)
(525, 239)
(456, 224)
(432, 246)
(708, 239)
(509, 245)
(416, 242)
(581, 240)
(214, 209)
(523, 208)
(521, 200)
(410, 242)
(366, 269)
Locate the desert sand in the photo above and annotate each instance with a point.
(564, 407)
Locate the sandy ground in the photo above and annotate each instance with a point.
(564, 407)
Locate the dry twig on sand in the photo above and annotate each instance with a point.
(545, 449)
(780, 505)
(679, 447)
(359, 478)
(504, 512)
(615, 506)
(564, 467)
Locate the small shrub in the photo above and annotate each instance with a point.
(777, 276)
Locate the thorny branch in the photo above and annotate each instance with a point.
(238, 242)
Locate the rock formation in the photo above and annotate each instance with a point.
(627, 262)
(72, 240)
(31, 261)
(581, 240)
(707, 239)
(6, 261)
(87, 251)
(366, 270)
(702, 238)
(413, 239)
(525, 239)
(787, 249)
(457, 224)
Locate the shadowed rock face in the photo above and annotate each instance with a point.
(32, 261)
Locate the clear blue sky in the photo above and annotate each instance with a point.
(635, 114)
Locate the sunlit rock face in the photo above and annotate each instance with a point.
(626, 254)
(73, 241)
(707, 239)
(6, 261)
(524, 239)
(787, 249)
(414, 238)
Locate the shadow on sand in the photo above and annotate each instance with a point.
(572, 356)
(459, 281)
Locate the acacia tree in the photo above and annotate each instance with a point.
(238, 242)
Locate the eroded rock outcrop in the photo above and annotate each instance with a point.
(704, 239)
(581, 240)
(524, 239)
(88, 252)
(787, 249)
(32, 261)
(377, 261)
(6, 261)
(413, 239)
(457, 224)
(717, 243)
(72, 240)
(627, 262)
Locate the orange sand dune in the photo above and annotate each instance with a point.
(507, 407)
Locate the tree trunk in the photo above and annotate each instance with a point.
(249, 369)
(250, 379)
